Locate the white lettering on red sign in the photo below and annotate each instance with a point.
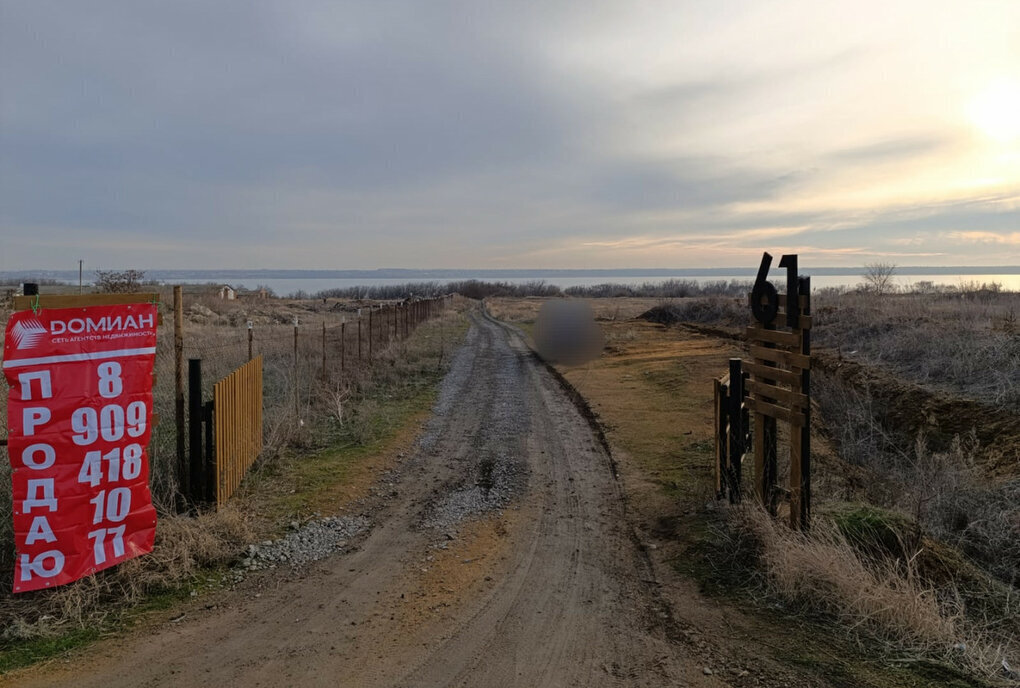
(79, 413)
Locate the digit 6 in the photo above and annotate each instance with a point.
(764, 298)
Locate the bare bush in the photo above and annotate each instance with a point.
(879, 277)
(119, 281)
(711, 310)
(959, 341)
(944, 491)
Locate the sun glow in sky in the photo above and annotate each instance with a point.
(996, 111)
(672, 133)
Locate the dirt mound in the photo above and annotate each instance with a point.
(911, 408)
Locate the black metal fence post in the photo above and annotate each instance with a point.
(736, 439)
(195, 418)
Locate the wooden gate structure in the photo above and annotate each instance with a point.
(775, 385)
(237, 426)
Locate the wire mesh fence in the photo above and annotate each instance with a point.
(315, 353)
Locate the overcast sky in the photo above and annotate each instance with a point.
(308, 134)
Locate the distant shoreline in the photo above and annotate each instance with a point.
(495, 274)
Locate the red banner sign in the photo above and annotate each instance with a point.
(79, 421)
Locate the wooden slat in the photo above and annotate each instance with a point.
(238, 403)
(781, 337)
(760, 371)
(787, 397)
(787, 358)
(24, 303)
(803, 300)
(777, 412)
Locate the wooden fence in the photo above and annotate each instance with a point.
(237, 426)
(775, 385)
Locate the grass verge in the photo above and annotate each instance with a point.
(332, 464)
(819, 604)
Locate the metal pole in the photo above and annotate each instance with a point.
(343, 342)
(251, 336)
(323, 349)
(370, 309)
(80, 264)
(197, 482)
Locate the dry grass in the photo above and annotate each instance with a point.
(962, 343)
(890, 599)
(184, 546)
(525, 310)
(823, 572)
(296, 425)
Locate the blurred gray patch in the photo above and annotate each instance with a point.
(566, 332)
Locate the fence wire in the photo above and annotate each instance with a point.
(330, 349)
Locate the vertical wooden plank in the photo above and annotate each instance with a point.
(736, 434)
(769, 442)
(804, 290)
(184, 475)
(717, 396)
(217, 430)
(760, 478)
(795, 483)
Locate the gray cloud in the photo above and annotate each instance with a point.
(352, 134)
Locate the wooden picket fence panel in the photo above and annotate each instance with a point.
(237, 403)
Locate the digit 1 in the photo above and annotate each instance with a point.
(98, 548)
(792, 298)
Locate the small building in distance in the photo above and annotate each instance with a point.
(227, 293)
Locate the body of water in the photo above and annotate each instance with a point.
(288, 286)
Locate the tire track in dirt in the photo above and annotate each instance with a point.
(565, 600)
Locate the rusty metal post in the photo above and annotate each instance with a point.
(343, 343)
(251, 335)
(359, 335)
(370, 331)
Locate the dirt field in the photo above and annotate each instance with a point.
(511, 548)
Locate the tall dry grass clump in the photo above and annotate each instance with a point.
(184, 546)
(824, 572)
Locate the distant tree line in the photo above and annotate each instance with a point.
(477, 289)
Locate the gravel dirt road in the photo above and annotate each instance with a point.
(498, 554)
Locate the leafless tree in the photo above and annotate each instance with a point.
(879, 277)
(119, 281)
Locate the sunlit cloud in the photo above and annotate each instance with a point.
(986, 237)
(619, 134)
